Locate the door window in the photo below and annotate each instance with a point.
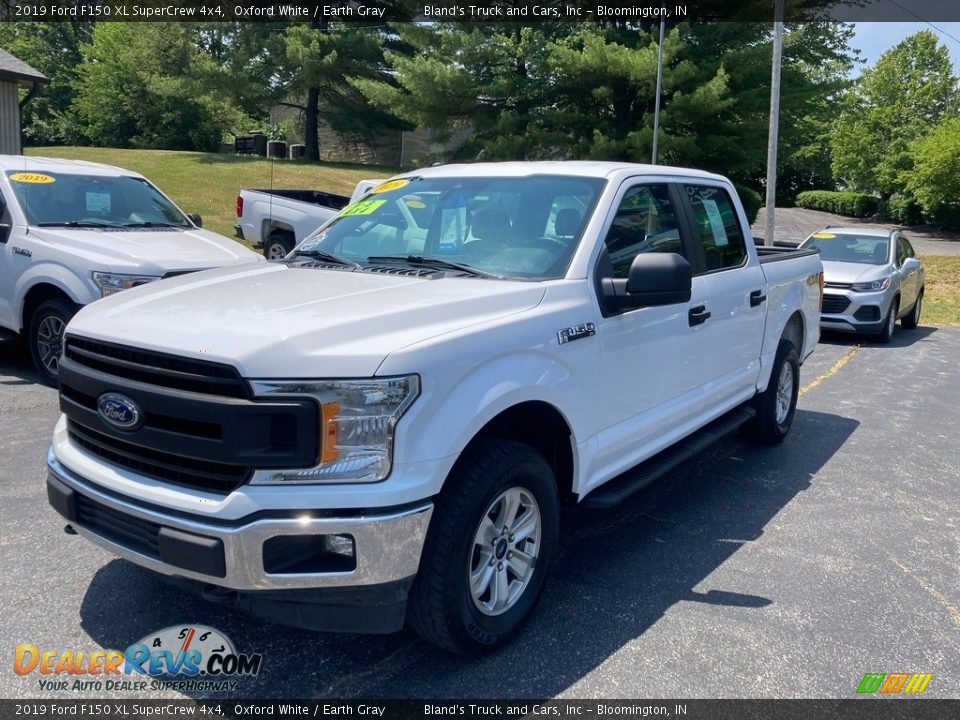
(717, 228)
(645, 222)
(902, 252)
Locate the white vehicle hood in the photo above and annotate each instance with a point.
(275, 321)
(850, 272)
(147, 252)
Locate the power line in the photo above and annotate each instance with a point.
(927, 22)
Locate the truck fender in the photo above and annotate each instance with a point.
(788, 304)
(443, 429)
(47, 273)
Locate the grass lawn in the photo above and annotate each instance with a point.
(208, 183)
(941, 299)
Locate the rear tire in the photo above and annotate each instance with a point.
(45, 337)
(890, 323)
(777, 405)
(489, 549)
(278, 245)
(912, 319)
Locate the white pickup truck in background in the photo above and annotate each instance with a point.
(276, 220)
(72, 232)
(381, 428)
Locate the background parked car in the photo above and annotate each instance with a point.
(72, 232)
(872, 278)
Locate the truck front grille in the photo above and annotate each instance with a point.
(219, 478)
(155, 368)
(834, 304)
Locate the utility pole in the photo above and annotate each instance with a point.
(656, 106)
(774, 119)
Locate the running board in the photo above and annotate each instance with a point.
(620, 488)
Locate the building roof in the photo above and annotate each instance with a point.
(12, 68)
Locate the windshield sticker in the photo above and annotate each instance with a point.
(32, 178)
(716, 222)
(824, 235)
(388, 186)
(98, 203)
(415, 203)
(364, 207)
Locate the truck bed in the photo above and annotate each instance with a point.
(314, 197)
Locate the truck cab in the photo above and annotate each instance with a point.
(72, 232)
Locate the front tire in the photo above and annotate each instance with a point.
(890, 324)
(489, 549)
(45, 337)
(776, 406)
(912, 319)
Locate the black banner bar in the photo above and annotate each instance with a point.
(477, 11)
(872, 708)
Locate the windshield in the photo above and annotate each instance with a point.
(49, 198)
(864, 249)
(518, 227)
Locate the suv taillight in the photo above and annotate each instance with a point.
(239, 205)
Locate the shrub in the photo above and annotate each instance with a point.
(752, 202)
(903, 210)
(851, 204)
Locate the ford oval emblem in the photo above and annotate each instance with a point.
(119, 411)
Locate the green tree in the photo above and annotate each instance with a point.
(893, 104)
(53, 48)
(935, 178)
(148, 85)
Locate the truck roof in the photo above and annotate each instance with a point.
(583, 168)
(29, 163)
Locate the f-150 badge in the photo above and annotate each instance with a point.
(576, 332)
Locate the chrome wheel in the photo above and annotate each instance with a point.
(276, 251)
(505, 549)
(50, 341)
(784, 393)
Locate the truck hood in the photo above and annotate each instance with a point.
(147, 252)
(848, 272)
(274, 321)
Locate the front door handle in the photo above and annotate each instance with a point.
(698, 315)
(757, 297)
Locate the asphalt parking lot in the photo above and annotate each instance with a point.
(750, 572)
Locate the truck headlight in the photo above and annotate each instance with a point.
(110, 283)
(357, 419)
(873, 286)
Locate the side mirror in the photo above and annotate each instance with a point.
(5, 232)
(196, 219)
(659, 279)
(654, 279)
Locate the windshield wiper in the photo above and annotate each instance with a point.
(323, 255)
(151, 224)
(428, 261)
(76, 224)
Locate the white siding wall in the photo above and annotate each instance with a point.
(9, 119)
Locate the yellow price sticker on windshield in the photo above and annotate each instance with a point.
(364, 207)
(391, 185)
(824, 235)
(32, 178)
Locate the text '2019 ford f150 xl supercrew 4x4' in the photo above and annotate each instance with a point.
(381, 428)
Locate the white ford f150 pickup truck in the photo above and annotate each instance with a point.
(381, 428)
(276, 220)
(72, 232)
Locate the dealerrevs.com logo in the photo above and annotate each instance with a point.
(182, 657)
(894, 683)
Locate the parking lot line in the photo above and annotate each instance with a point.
(835, 368)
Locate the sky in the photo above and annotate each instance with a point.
(873, 38)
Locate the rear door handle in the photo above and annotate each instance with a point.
(698, 315)
(757, 297)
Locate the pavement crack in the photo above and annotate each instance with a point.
(847, 357)
(952, 610)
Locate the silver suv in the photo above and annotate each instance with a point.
(872, 278)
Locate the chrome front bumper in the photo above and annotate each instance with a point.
(387, 545)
